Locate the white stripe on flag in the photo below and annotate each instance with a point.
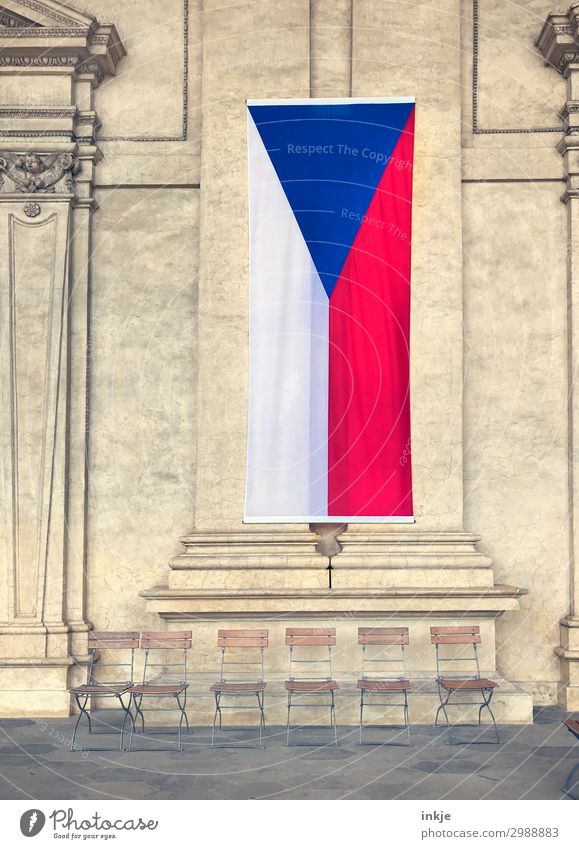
(287, 444)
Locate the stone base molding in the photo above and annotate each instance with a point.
(276, 579)
(568, 651)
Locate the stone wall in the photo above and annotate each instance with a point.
(143, 352)
(490, 334)
(515, 294)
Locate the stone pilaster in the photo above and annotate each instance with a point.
(558, 43)
(52, 57)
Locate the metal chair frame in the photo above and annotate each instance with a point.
(230, 642)
(384, 638)
(463, 635)
(571, 725)
(106, 641)
(323, 637)
(155, 641)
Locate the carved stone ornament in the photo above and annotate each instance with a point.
(52, 34)
(31, 210)
(558, 41)
(33, 172)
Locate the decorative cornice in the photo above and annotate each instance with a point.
(55, 11)
(37, 61)
(59, 37)
(43, 32)
(26, 134)
(14, 21)
(38, 112)
(82, 126)
(558, 41)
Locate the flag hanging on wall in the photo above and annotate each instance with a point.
(330, 202)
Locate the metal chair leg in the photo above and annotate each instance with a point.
(261, 703)
(260, 708)
(182, 716)
(570, 782)
(289, 707)
(361, 713)
(217, 711)
(443, 705)
(185, 712)
(333, 718)
(407, 717)
(445, 702)
(487, 704)
(137, 701)
(127, 715)
(261, 700)
(82, 711)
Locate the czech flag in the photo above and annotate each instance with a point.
(330, 202)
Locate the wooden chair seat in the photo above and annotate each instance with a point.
(238, 687)
(311, 686)
(384, 686)
(467, 683)
(158, 689)
(100, 689)
(573, 726)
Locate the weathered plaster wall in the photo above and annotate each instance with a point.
(144, 396)
(515, 410)
(515, 295)
(143, 349)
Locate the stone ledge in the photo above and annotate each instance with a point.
(173, 603)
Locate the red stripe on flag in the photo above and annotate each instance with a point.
(369, 471)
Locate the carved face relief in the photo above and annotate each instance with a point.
(33, 164)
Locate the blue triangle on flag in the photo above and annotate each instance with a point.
(329, 159)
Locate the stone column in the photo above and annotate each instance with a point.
(51, 59)
(558, 43)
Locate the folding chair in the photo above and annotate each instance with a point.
(392, 642)
(571, 725)
(164, 686)
(324, 638)
(123, 643)
(463, 685)
(241, 675)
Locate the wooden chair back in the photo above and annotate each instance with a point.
(246, 646)
(383, 652)
(317, 663)
(166, 640)
(123, 643)
(310, 636)
(383, 637)
(106, 640)
(455, 635)
(243, 638)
